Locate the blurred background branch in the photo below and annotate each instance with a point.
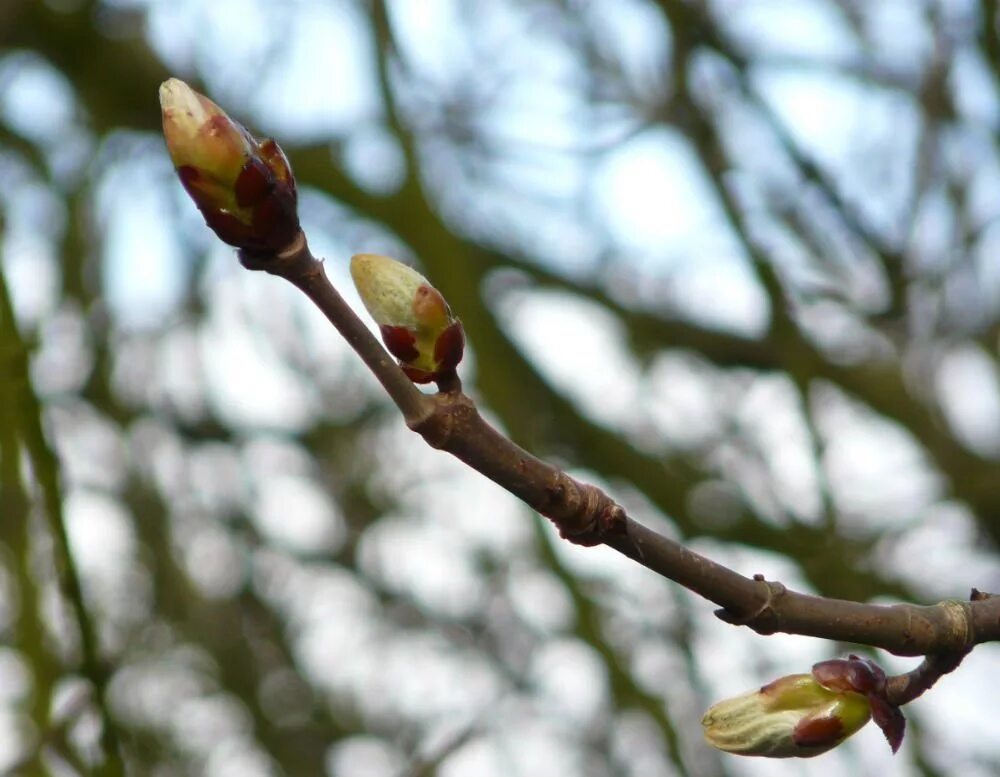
(24, 436)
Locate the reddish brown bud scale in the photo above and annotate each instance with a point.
(851, 674)
(818, 732)
(228, 228)
(400, 342)
(835, 674)
(254, 183)
(189, 175)
(860, 675)
(449, 347)
(276, 160)
(275, 223)
(890, 719)
(418, 375)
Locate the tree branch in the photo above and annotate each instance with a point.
(904, 688)
(586, 515)
(45, 467)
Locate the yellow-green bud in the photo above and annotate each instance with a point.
(416, 323)
(244, 188)
(200, 134)
(794, 716)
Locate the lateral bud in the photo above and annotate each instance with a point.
(416, 324)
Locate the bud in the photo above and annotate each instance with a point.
(416, 323)
(243, 187)
(795, 716)
(866, 677)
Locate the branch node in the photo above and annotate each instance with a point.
(443, 414)
(959, 627)
(960, 636)
(772, 590)
(295, 261)
(583, 513)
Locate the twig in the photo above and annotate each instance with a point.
(55, 735)
(297, 265)
(586, 515)
(904, 688)
(427, 765)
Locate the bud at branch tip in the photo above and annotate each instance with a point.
(243, 186)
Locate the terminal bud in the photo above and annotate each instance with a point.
(243, 187)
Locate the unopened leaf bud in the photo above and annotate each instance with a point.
(866, 677)
(417, 325)
(243, 187)
(793, 717)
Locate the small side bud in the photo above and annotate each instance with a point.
(416, 323)
(243, 187)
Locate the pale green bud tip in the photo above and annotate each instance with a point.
(185, 106)
(794, 717)
(387, 288)
(199, 133)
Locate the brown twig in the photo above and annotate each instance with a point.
(584, 514)
(904, 688)
(297, 265)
